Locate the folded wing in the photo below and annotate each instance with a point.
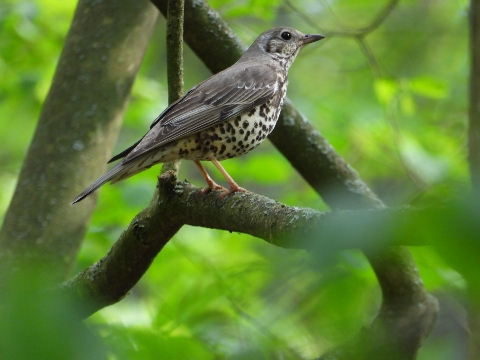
(217, 99)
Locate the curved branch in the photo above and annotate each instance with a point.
(319, 164)
(379, 19)
(111, 278)
(179, 203)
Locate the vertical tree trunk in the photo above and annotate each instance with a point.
(78, 127)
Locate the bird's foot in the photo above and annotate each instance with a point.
(233, 189)
(212, 186)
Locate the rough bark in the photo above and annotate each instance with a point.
(179, 203)
(76, 131)
(111, 278)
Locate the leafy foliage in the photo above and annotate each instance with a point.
(391, 101)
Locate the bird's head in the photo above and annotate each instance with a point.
(282, 44)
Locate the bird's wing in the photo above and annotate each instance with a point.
(230, 93)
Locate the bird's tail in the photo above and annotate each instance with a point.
(119, 172)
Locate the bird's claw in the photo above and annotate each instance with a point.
(208, 189)
(232, 190)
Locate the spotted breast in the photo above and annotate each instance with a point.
(229, 139)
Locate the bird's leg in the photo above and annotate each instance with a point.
(233, 185)
(211, 184)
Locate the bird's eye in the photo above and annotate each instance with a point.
(286, 35)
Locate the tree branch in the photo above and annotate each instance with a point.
(175, 19)
(357, 33)
(111, 278)
(175, 50)
(180, 203)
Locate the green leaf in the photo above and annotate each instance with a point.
(385, 89)
(429, 87)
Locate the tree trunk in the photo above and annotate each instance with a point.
(78, 127)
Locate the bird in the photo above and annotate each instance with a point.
(225, 116)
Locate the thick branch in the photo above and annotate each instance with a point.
(133, 253)
(110, 279)
(179, 203)
(319, 164)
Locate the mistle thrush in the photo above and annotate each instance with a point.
(225, 116)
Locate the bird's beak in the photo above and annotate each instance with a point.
(310, 38)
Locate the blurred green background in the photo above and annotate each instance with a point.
(393, 104)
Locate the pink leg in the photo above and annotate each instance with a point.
(211, 184)
(233, 185)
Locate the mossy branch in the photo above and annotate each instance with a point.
(180, 203)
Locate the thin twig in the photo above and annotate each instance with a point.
(372, 60)
(362, 32)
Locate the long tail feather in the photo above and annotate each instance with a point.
(115, 173)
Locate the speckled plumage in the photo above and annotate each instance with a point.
(225, 116)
